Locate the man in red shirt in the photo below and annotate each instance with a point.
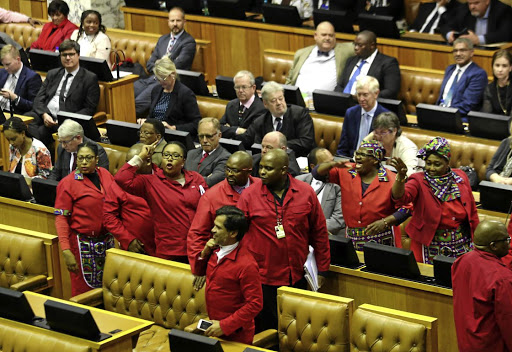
(482, 292)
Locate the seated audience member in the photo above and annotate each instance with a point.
(172, 102)
(92, 38)
(366, 203)
(71, 135)
(498, 93)
(172, 194)
(150, 132)
(79, 220)
(482, 304)
(486, 22)
(27, 156)
(127, 217)
(499, 169)
(243, 110)
(275, 140)
(7, 16)
(368, 61)
(292, 120)
(305, 7)
(444, 215)
(70, 88)
(432, 15)
(56, 31)
(319, 66)
(387, 130)
(359, 119)
(227, 192)
(329, 194)
(210, 159)
(179, 46)
(464, 82)
(233, 285)
(20, 84)
(393, 8)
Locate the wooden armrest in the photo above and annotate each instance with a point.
(100, 118)
(266, 339)
(30, 284)
(91, 298)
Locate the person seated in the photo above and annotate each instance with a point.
(498, 93)
(393, 8)
(20, 84)
(210, 159)
(150, 132)
(359, 119)
(275, 140)
(368, 61)
(7, 16)
(243, 110)
(499, 169)
(329, 194)
(433, 15)
(291, 120)
(486, 22)
(304, 7)
(92, 38)
(27, 156)
(56, 31)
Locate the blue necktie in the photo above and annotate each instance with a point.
(449, 96)
(279, 123)
(348, 87)
(324, 6)
(364, 128)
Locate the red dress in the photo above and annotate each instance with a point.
(51, 42)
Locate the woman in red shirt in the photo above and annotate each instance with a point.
(56, 31)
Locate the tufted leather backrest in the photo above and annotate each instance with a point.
(152, 289)
(212, 107)
(328, 133)
(276, 65)
(419, 85)
(22, 33)
(135, 45)
(116, 158)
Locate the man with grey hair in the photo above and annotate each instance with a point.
(242, 111)
(71, 135)
(291, 120)
(275, 140)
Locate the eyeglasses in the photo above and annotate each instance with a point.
(242, 87)
(88, 158)
(172, 156)
(364, 155)
(67, 54)
(502, 240)
(145, 133)
(235, 171)
(382, 134)
(163, 79)
(207, 136)
(63, 142)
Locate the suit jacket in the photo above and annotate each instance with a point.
(293, 166)
(182, 53)
(470, 88)
(331, 205)
(350, 132)
(499, 23)
(230, 116)
(212, 168)
(61, 168)
(182, 111)
(427, 7)
(395, 9)
(384, 68)
(297, 127)
(27, 87)
(341, 53)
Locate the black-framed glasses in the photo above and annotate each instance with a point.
(67, 54)
(172, 156)
(145, 133)
(88, 158)
(235, 171)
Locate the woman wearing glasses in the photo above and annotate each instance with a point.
(79, 220)
(152, 131)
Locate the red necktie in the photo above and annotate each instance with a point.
(205, 155)
(74, 162)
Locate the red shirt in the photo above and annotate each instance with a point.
(200, 231)
(482, 302)
(63, 31)
(172, 206)
(304, 224)
(233, 293)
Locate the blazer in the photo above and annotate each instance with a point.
(293, 166)
(491, 103)
(470, 88)
(384, 68)
(27, 87)
(230, 116)
(182, 53)
(331, 205)
(182, 111)
(341, 53)
(427, 7)
(212, 168)
(395, 9)
(350, 132)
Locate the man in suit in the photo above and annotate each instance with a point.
(486, 21)
(71, 135)
(329, 194)
(392, 8)
(70, 88)
(242, 111)
(463, 83)
(20, 84)
(275, 140)
(368, 61)
(433, 15)
(210, 159)
(291, 120)
(359, 119)
(178, 45)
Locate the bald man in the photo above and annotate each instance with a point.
(482, 292)
(285, 217)
(275, 140)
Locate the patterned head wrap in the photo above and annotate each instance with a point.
(376, 149)
(438, 145)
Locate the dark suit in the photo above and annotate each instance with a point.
(293, 166)
(61, 168)
(182, 110)
(231, 116)
(297, 127)
(212, 168)
(395, 9)
(499, 23)
(384, 68)
(27, 87)
(350, 132)
(427, 7)
(469, 90)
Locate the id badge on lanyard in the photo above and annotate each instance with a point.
(279, 227)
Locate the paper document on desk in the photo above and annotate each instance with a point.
(311, 270)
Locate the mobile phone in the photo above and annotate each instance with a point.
(204, 324)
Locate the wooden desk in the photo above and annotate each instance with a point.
(4, 144)
(120, 99)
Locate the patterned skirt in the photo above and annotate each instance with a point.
(359, 237)
(448, 242)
